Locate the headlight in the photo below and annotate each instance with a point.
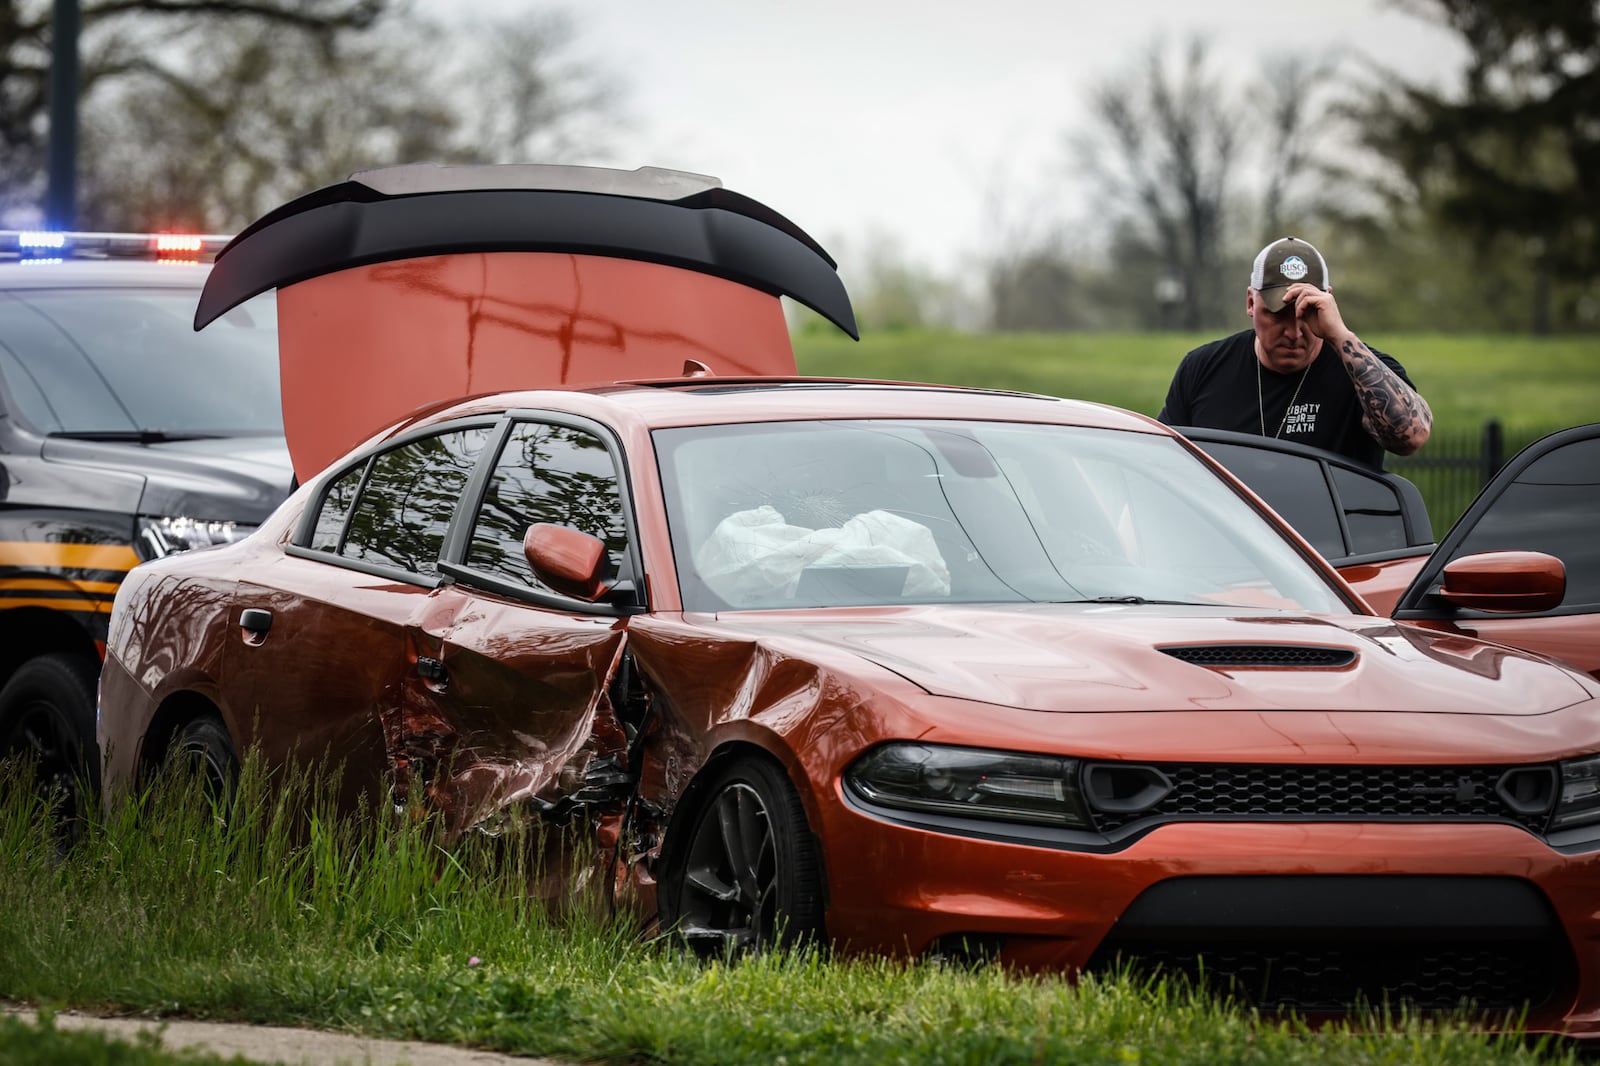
(1579, 804)
(971, 783)
(164, 535)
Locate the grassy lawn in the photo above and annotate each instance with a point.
(372, 928)
(1466, 379)
(1532, 385)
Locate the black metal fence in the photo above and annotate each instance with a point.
(1454, 465)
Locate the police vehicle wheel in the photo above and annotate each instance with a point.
(47, 714)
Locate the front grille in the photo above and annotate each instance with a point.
(1322, 979)
(1238, 656)
(1265, 792)
(1342, 943)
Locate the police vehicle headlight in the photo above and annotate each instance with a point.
(164, 535)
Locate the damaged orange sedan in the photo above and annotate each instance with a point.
(911, 669)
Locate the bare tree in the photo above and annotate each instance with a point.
(524, 94)
(122, 39)
(248, 116)
(1161, 156)
(1295, 110)
(250, 120)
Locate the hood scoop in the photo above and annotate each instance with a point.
(1262, 656)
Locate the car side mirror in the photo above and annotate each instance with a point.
(1509, 581)
(570, 562)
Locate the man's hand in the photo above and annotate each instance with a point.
(1316, 310)
(1391, 411)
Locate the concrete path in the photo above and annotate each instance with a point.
(281, 1045)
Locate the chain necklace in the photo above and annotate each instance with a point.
(1261, 403)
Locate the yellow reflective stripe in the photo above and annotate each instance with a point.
(68, 556)
(24, 583)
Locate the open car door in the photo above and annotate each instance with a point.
(1520, 567)
(1546, 501)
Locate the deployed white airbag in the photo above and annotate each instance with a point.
(755, 557)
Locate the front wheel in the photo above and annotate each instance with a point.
(748, 877)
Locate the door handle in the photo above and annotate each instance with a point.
(432, 669)
(255, 620)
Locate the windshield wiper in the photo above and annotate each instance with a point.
(1139, 601)
(131, 436)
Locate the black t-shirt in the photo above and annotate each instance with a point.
(1215, 387)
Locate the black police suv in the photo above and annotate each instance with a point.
(124, 436)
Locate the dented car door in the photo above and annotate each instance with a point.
(523, 676)
(326, 648)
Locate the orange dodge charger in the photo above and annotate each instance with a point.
(904, 668)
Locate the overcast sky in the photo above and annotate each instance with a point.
(856, 117)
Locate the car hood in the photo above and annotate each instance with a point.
(1119, 658)
(223, 479)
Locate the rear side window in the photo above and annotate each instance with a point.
(546, 473)
(335, 512)
(1371, 510)
(405, 504)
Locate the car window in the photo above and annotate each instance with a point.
(1553, 506)
(1371, 511)
(546, 473)
(813, 514)
(1313, 493)
(328, 533)
(1292, 485)
(101, 360)
(406, 501)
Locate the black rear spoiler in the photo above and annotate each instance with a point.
(655, 216)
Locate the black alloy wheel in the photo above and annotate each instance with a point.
(749, 878)
(204, 749)
(47, 713)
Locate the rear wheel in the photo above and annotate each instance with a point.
(747, 878)
(47, 714)
(204, 749)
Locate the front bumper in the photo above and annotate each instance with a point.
(1488, 910)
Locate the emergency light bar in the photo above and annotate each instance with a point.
(58, 245)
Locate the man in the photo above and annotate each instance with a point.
(1300, 374)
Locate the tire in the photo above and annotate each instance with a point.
(203, 748)
(747, 878)
(47, 713)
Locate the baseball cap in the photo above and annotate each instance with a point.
(1282, 263)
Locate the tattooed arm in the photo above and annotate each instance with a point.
(1392, 412)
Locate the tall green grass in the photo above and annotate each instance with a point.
(287, 912)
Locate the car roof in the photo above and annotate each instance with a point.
(101, 273)
(719, 401)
